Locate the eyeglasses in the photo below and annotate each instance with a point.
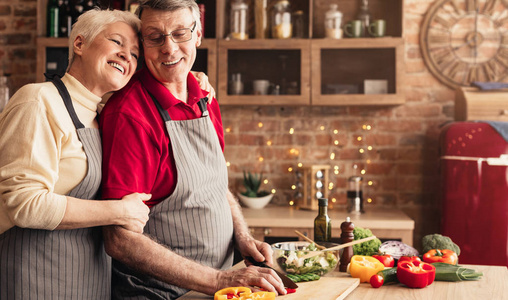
(177, 36)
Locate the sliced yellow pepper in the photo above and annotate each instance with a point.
(259, 296)
(242, 293)
(364, 267)
(232, 293)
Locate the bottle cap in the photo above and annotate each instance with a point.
(323, 202)
(333, 13)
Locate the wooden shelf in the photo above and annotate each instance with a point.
(349, 62)
(317, 66)
(261, 59)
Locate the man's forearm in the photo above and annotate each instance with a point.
(239, 224)
(141, 253)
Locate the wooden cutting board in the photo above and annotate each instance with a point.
(326, 288)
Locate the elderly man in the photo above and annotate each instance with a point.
(160, 136)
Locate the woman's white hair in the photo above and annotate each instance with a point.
(92, 22)
(171, 5)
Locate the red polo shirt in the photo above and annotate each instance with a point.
(137, 156)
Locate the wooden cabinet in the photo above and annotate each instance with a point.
(363, 71)
(282, 63)
(301, 71)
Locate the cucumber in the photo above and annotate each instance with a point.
(303, 277)
(389, 275)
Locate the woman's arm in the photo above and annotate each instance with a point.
(130, 213)
(32, 144)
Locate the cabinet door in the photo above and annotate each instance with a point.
(284, 64)
(362, 71)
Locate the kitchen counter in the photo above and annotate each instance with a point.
(282, 221)
(493, 285)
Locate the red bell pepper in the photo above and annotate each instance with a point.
(410, 258)
(415, 273)
(385, 259)
(438, 255)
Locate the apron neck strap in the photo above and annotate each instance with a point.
(202, 106)
(62, 90)
(165, 115)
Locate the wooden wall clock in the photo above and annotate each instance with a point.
(466, 40)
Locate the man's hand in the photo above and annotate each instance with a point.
(251, 276)
(248, 246)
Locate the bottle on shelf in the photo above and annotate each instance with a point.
(281, 25)
(333, 22)
(364, 16)
(322, 223)
(52, 20)
(236, 84)
(65, 19)
(299, 26)
(346, 236)
(239, 20)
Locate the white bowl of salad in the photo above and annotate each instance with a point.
(303, 258)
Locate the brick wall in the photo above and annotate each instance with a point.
(18, 30)
(403, 162)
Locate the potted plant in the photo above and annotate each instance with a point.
(253, 197)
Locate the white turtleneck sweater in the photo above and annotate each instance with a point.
(41, 157)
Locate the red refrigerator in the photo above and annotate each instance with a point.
(474, 177)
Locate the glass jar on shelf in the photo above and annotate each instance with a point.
(239, 20)
(299, 25)
(333, 21)
(281, 26)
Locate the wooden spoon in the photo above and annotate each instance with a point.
(341, 246)
(309, 240)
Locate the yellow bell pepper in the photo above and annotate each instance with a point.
(242, 293)
(364, 267)
(232, 293)
(259, 296)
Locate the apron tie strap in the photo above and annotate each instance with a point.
(66, 99)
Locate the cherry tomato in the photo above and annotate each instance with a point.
(376, 281)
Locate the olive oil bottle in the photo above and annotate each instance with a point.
(322, 223)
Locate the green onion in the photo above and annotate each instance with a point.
(447, 272)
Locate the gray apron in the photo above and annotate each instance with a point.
(195, 220)
(59, 264)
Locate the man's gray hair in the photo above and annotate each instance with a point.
(171, 5)
(93, 22)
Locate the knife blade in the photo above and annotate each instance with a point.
(286, 280)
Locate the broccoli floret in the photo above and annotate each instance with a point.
(437, 241)
(367, 248)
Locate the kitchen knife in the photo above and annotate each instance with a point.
(287, 282)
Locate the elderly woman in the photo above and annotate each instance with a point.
(50, 170)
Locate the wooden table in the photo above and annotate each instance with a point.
(493, 285)
(282, 221)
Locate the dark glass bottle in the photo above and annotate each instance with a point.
(65, 19)
(52, 19)
(322, 223)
